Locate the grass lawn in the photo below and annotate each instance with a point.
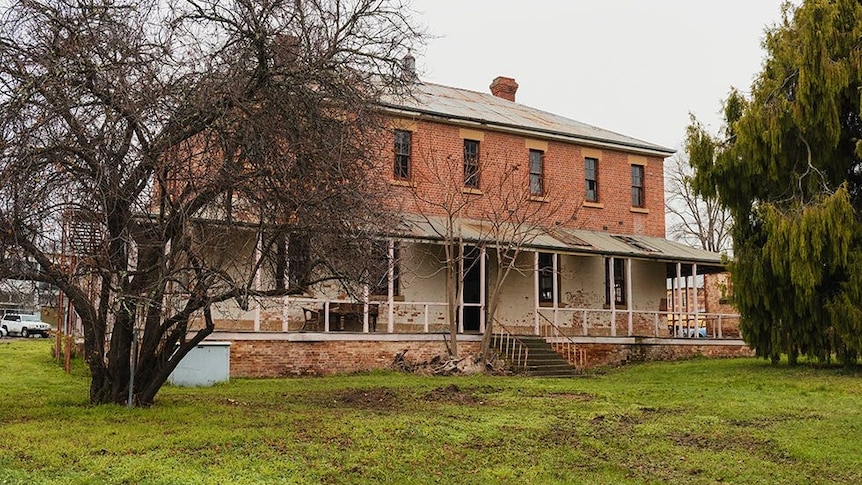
(700, 421)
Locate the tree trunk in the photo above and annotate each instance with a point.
(451, 297)
(489, 328)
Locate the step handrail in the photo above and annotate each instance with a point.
(511, 346)
(568, 348)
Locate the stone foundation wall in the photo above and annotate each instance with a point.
(282, 358)
(612, 355)
(286, 355)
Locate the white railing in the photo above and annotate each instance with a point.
(511, 348)
(567, 347)
(287, 315)
(604, 321)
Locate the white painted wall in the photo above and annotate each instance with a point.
(422, 279)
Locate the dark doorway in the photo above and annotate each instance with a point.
(472, 288)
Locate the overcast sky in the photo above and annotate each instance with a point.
(637, 67)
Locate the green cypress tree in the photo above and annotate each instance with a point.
(788, 168)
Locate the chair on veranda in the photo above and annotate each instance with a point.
(312, 320)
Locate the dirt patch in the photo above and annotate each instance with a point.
(764, 448)
(452, 394)
(614, 424)
(375, 398)
(768, 421)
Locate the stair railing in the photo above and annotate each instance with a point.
(567, 348)
(511, 347)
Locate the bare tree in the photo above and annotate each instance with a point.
(193, 148)
(504, 217)
(439, 192)
(695, 219)
(517, 212)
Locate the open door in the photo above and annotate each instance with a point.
(473, 304)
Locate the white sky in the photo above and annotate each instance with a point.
(637, 67)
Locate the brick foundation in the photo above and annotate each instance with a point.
(601, 354)
(284, 357)
(294, 354)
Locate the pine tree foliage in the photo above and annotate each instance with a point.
(788, 168)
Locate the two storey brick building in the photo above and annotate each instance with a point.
(473, 171)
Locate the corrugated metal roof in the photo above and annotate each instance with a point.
(487, 109)
(563, 240)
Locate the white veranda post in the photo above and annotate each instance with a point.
(612, 295)
(390, 286)
(536, 292)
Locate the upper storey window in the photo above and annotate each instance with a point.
(471, 163)
(638, 199)
(403, 141)
(537, 182)
(591, 175)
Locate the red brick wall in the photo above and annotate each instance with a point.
(604, 354)
(718, 290)
(280, 358)
(437, 172)
(284, 358)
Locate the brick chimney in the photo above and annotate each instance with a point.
(504, 87)
(408, 68)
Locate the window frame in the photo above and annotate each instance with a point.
(591, 175)
(537, 177)
(298, 261)
(382, 259)
(471, 163)
(546, 278)
(638, 183)
(619, 282)
(402, 166)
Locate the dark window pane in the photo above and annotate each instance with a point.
(536, 170)
(637, 186)
(591, 170)
(471, 163)
(619, 281)
(402, 154)
(380, 270)
(298, 260)
(546, 278)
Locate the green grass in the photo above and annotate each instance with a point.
(699, 421)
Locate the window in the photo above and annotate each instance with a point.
(298, 260)
(379, 269)
(638, 186)
(280, 262)
(591, 170)
(402, 154)
(546, 278)
(537, 158)
(619, 281)
(471, 163)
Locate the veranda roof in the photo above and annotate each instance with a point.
(562, 240)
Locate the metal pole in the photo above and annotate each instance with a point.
(132, 364)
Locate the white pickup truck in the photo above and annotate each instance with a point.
(24, 325)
